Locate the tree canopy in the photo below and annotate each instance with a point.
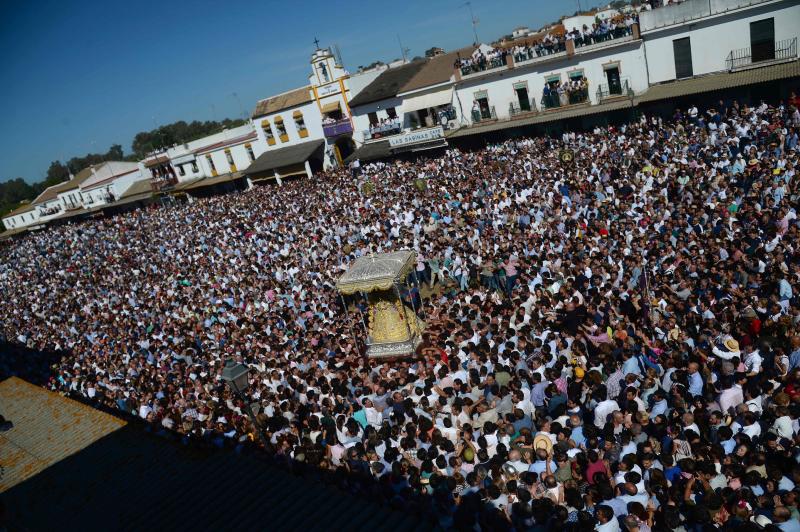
(16, 191)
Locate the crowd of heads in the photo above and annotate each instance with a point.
(611, 332)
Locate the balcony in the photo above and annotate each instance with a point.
(689, 10)
(337, 127)
(606, 90)
(521, 108)
(539, 53)
(554, 100)
(778, 51)
(475, 68)
(383, 130)
(484, 114)
(162, 183)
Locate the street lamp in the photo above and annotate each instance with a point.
(237, 378)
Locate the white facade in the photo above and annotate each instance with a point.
(109, 182)
(714, 28)
(502, 87)
(381, 109)
(21, 218)
(227, 152)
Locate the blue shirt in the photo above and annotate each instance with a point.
(695, 384)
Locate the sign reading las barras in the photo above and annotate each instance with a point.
(415, 137)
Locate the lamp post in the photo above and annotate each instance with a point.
(236, 376)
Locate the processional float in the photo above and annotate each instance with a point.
(391, 324)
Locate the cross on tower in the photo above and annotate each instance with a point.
(316, 43)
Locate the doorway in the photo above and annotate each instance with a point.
(682, 49)
(522, 97)
(614, 84)
(762, 40)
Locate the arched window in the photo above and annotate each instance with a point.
(300, 124)
(281, 127)
(267, 128)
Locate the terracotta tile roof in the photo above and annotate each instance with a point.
(438, 70)
(52, 192)
(387, 84)
(273, 104)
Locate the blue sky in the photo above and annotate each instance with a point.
(80, 76)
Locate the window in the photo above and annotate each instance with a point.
(762, 40)
(391, 113)
(682, 48)
(194, 167)
(211, 164)
(249, 149)
(300, 124)
(181, 170)
(268, 132)
(229, 157)
(575, 74)
(373, 118)
(281, 127)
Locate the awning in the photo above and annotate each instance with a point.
(209, 181)
(370, 151)
(426, 101)
(331, 107)
(725, 80)
(274, 159)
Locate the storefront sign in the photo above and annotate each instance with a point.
(415, 137)
(327, 90)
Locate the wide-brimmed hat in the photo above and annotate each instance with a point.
(731, 344)
(543, 442)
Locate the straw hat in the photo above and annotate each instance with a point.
(731, 344)
(542, 441)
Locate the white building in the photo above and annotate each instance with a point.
(109, 181)
(408, 108)
(699, 37)
(611, 69)
(308, 128)
(23, 216)
(204, 162)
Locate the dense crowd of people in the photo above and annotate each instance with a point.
(612, 325)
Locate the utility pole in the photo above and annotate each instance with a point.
(474, 22)
(403, 50)
(241, 109)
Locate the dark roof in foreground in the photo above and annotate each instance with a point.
(387, 84)
(274, 159)
(104, 473)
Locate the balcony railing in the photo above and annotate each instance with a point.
(339, 127)
(383, 130)
(617, 32)
(159, 184)
(607, 90)
(553, 100)
(517, 108)
(779, 50)
(482, 115)
(482, 66)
